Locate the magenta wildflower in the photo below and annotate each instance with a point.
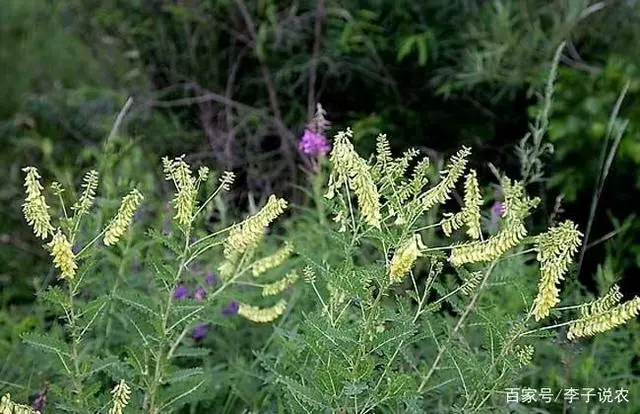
(231, 308)
(313, 143)
(180, 292)
(200, 293)
(200, 331)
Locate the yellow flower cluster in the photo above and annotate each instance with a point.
(248, 234)
(404, 258)
(555, 248)
(517, 206)
(598, 322)
(274, 260)
(471, 283)
(119, 224)
(121, 394)
(309, 274)
(280, 286)
(262, 315)
(178, 171)
(89, 186)
(35, 207)
(63, 256)
(351, 170)
(470, 214)
(524, 354)
(227, 179)
(440, 193)
(603, 304)
(9, 407)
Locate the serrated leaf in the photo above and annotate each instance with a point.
(165, 241)
(190, 352)
(47, 343)
(183, 375)
(137, 301)
(54, 295)
(90, 313)
(308, 395)
(182, 393)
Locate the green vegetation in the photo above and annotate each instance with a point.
(402, 274)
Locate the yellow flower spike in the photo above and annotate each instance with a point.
(178, 171)
(472, 203)
(35, 208)
(279, 286)
(121, 394)
(262, 315)
(440, 193)
(89, 186)
(273, 260)
(203, 173)
(351, 170)
(603, 304)
(248, 234)
(404, 258)
(119, 224)
(555, 248)
(604, 321)
(9, 407)
(517, 206)
(63, 256)
(524, 354)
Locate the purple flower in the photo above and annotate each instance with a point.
(231, 308)
(497, 210)
(200, 293)
(200, 331)
(313, 143)
(40, 400)
(180, 292)
(210, 278)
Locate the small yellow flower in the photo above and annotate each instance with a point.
(121, 395)
(262, 315)
(404, 258)
(123, 218)
(35, 208)
(63, 256)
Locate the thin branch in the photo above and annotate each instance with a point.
(313, 66)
